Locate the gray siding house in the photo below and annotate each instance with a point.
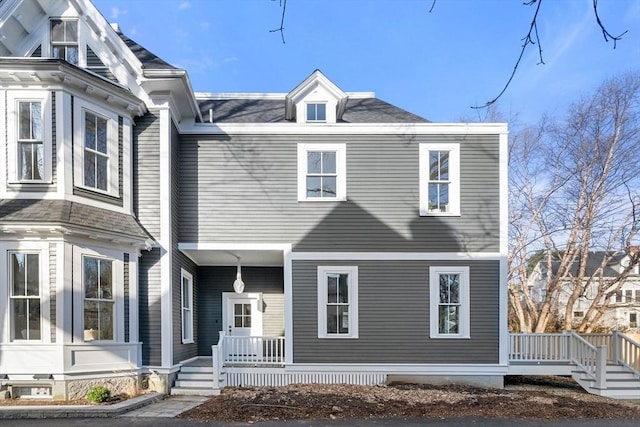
(197, 240)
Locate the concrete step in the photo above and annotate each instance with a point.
(194, 383)
(197, 369)
(194, 391)
(203, 376)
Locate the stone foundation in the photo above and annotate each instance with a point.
(78, 389)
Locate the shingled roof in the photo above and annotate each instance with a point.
(64, 212)
(593, 263)
(149, 60)
(251, 110)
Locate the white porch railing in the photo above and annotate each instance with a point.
(561, 348)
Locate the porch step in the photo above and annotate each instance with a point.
(196, 376)
(194, 391)
(197, 369)
(620, 383)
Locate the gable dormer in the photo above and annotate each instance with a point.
(316, 100)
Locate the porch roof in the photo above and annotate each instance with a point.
(256, 255)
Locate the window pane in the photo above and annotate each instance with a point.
(444, 197)
(329, 162)
(106, 320)
(247, 309)
(19, 319)
(101, 172)
(343, 315)
(247, 321)
(57, 30)
(24, 120)
(237, 309)
(33, 275)
(106, 291)
(454, 288)
(90, 319)
(329, 186)
(38, 164)
(101, 135)
(314, 162)
(185, 292)
(237, 322)
(90, 131)
(448, 319)
(71, 55)
(71, 31)
(343, 289)
(36, 121)
(313, 186)
(321, 112)
(18, 274)
(311, 111)
(434, 166)
(90, 278)
(332, 319)
(89, 169)
(444, 165)
(332, 288)
(34, 319)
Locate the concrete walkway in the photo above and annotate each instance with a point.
(148, 405)
(170, 407)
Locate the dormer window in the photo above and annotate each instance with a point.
(317, 112)
(64, 40)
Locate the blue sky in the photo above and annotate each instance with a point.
(436, 65)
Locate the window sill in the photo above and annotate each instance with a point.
(191, 341)
(453, 214)
(450, 337)
(323, 200)
(338, 337)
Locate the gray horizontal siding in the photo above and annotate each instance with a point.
(150, 292)
(146, 172)
(245, 190)
(212, 281)
(179, 261)
(393, 305)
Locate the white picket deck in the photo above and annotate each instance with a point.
(604, 364)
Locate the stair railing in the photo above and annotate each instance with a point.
(589, 358)
(217, 356)
(626, 352)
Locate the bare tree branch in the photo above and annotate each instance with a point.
(528, 39)
(606, 34)
(283, 5)
(432, 6)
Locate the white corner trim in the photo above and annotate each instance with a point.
(166, 279)
(504, 249)
(225, 246)
(288, 306)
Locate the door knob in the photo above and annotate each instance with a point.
(229, 329)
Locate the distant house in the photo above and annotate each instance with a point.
(622, 312)
(198, 240)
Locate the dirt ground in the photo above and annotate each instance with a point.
(523, 397)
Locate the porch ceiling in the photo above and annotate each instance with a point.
(253, 258)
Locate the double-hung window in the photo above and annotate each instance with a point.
(96, 153)
(64, 40)
(30, 142)
(337, 302)
(439, 179)
(24, 296)
(99, 302)
(187, 306)
(316, 112)
(449, 307)
(322, 172)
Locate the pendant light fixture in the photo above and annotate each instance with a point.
(238, 285)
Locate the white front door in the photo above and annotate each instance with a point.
(242, 318)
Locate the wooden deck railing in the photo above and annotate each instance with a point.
(626, 352)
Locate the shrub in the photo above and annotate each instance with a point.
(98, 394)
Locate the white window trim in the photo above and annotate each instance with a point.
(434, 297)
(25, 247)
(306, 105)
(454, 178)
(184, 274)
(352, 271)
(80, 106)
(13, 98)
(341, 171)
(117, 267)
